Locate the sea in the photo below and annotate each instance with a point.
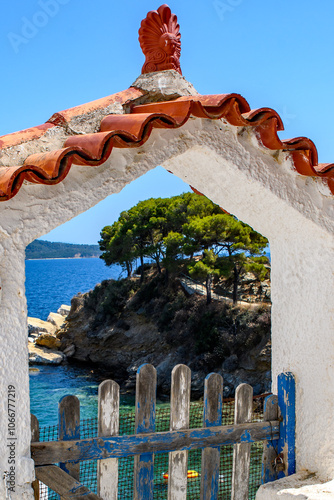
(53, 282)
(49, 284)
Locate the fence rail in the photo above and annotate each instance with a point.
(102, 448)
(109, 447)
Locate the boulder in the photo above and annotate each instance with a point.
(230, 364)
(64, 310)
(36, 325)
(42, 356)
(48, 340)
(56, 319)
(69, 350)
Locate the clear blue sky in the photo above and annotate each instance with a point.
(276, 54)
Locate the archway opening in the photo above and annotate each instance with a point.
(220, 335)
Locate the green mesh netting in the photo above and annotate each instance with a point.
(88, 429)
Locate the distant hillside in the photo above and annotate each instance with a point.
(40, 249)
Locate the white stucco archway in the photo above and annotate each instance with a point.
(227, 164)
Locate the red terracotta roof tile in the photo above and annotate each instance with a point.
(63, 117)
(29, 134)
(121, 97)
(133, 130)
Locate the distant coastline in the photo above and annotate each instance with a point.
(65, 258)
(41, 249)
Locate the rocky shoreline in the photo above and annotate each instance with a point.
(121, 324)
(43, 344)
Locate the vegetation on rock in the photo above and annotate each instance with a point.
(122, 324)
(167, 229)
(152, 319)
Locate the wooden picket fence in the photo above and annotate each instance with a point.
(277, 431)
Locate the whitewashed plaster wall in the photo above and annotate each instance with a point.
(228, 166)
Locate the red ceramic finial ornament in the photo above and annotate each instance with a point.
(159, 38)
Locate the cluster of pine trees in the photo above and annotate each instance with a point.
(168, 230)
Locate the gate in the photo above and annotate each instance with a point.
(277, 431)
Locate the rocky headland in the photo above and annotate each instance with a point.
(122, 324)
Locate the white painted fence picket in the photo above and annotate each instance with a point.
(108, 425)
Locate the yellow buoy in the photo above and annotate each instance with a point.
(191, 474)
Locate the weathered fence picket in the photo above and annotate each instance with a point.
(34, 426)
(108, 425)
(69, 429)
(269, 447)
(69, 450)
(213, 413)
(241, 452)
(179, 419)
(146, 384)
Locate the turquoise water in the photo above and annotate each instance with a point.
(50, 283)
(48, 384)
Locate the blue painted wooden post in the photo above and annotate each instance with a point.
(213, 413)
(145, 423)
(69, 429)
(287, 405)
(269, 447)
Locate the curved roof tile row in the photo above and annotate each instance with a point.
(134, 128)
